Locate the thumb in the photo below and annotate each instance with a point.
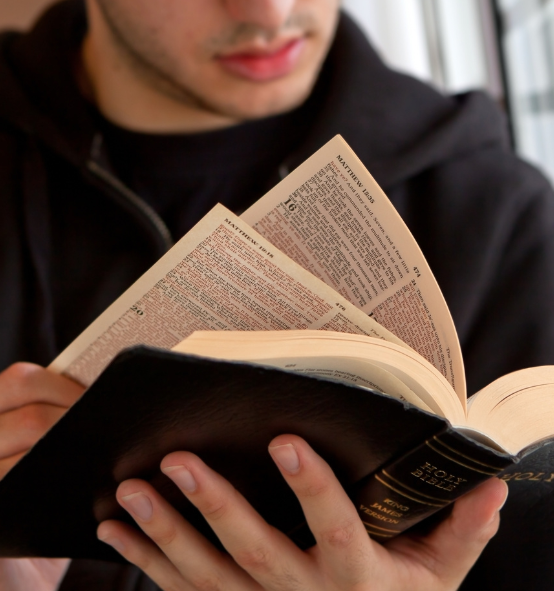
(458, 541)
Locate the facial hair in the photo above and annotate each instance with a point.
(154, 68)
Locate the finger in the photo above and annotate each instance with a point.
(26, 383)
(342, 541)
(198, 561)
(143, 553)
(261, 550)
(454, 546)
(20, 429)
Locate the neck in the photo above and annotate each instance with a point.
(131, 102)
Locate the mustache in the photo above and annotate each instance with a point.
(242, 33)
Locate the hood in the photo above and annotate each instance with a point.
(39, 96)
(40, 99)
(397, 125)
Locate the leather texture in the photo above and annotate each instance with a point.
(151, 402)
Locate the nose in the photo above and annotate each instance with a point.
(268, 14)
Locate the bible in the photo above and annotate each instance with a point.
(313, 313)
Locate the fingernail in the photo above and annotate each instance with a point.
(140, 505)
(286, 457)
(181, 477)
(115, 543)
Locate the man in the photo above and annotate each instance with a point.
(120, 130)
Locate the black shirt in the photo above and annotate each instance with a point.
(182, 176)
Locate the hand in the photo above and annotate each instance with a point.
(32, 399)
(177, 557)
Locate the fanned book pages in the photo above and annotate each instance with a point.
(313, 313)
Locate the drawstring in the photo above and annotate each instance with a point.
(39, 240)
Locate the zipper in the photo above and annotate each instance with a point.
(128, 194)
(133, 198)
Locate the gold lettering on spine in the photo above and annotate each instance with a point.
(378, 516)
(407, 496)
(391, 503)
(528, 477)
(364, 509)
(436, 477)
(386, 510)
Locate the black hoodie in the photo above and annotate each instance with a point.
(73, 236)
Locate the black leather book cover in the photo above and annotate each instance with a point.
(151, 402)
(521, 555)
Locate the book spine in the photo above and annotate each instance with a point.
(424, 481)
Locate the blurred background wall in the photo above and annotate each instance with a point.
(505, 47)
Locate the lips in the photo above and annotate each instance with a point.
(259, 66)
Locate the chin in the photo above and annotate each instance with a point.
(268, 99)
(263, 110)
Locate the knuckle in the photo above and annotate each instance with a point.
(341, 536)
(19, 377)
(20, 371)
(215, 508)
(313, 489)
(257, 558)
(164, 537)
(486, 534)
(473, 538)
(207, 582)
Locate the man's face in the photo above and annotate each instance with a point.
(239, 58)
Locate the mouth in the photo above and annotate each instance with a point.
(262, 66)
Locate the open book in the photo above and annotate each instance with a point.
(322, 278)
(511, 413)
(324, 250)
